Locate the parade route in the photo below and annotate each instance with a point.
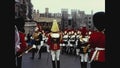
(67, 61)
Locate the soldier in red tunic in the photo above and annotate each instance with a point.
(72, 41)
(64, 41)
(78, 35)
(19, 22)
(84, 50)
(97, 41)
(54, 41)
(68, 46)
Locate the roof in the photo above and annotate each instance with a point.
(44, 19)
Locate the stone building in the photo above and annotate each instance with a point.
(29, 8)
(20, 8)
(46, 23)
(76, 20)
(23, 8)
(29, 27)
(88, 20)
(64, 19)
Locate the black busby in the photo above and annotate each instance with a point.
(20, 22)
(99, 20)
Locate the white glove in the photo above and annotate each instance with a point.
(61, 44)
(48, 50)
(85, 39)
(89, 50)
(26, 39)
(42, 43)
(34, 46)
(17, 47)
(26, 51)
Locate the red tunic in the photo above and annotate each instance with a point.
(97, 39)
(53, 46)
(23, 44)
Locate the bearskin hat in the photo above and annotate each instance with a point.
(99, 20)
(20, 22)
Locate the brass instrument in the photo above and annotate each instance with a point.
(36, 36)
(86, 48)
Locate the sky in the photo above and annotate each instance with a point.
(55, 6)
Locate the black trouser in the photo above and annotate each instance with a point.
(95, 64)
(63, 49)
(19, 60)
(83, 64)
(54, 64)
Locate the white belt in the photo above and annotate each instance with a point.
(65, 40)
(72, 40)
(97, 48)
(95, 52)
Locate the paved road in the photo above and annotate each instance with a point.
(66, 61)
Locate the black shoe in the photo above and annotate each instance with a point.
(58, 64)
(39, 58)
(53, 64)
(83, 64)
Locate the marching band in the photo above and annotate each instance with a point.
(78, 42)
(70, 42)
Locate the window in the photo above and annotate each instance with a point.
(69, 22)
(89, 27)
(89, 17)
(89, 22)
(85, 17)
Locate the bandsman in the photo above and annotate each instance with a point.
(54, 40)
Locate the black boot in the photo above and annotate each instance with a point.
(33, 54)
(53, 64)
(39, 55)
(83, 64)
(58, 64)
